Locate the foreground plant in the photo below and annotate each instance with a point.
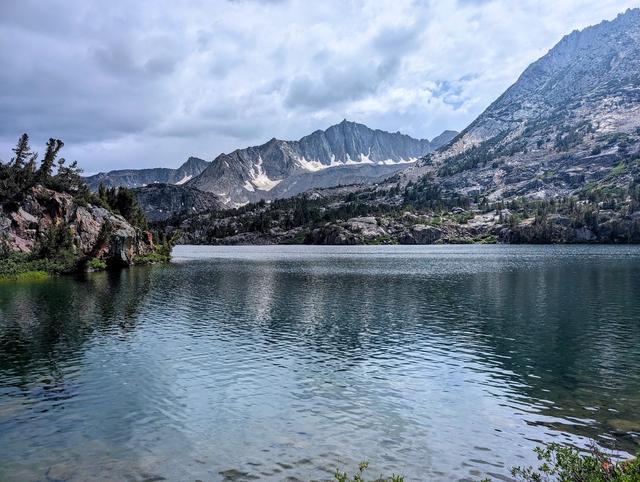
(359, 476)
(566, 464)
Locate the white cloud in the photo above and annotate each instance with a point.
(149, 83)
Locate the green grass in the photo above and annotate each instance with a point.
(19, 265)
(382, 240)
(462, 218)
(619, 169)
(486, 239)
(25, 276)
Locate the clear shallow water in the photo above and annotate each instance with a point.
(444, 363)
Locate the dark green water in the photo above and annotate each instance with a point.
(233, 363)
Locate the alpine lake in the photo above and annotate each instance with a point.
(287, 362)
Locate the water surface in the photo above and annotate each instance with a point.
(283, 363)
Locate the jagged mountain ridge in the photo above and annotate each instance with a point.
(255, 173)
(132, 178)
(559, 127)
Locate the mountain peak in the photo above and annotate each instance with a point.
(256, 172)
(344, 124)
(444, 138)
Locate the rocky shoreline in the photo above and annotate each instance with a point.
(459, 227)
(96, 232)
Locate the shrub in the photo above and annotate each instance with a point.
(152, 258)
(25, 266)
(55, 248)
(359, 476)
(97, 264)
(567, 464)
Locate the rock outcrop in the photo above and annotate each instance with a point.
(421, 234)
(96, 232)
(364, 230)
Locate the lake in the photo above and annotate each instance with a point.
(283, 363)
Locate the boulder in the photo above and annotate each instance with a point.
(331, 234)
(366, 229)
(585, 235)
(421, 234)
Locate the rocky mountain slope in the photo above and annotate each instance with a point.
(569, 120)
(162, 201)
(257, 172)
(143, 177)
(335, 176)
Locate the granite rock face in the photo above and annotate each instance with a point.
(421, 234)
(96, 232)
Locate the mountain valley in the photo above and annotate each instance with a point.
(556, 158)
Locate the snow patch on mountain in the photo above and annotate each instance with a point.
(311, 166)
(259, 178)
(184, 179)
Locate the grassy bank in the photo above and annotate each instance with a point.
(19, 266)
(25, 267)
(54, 254)
(26, 276)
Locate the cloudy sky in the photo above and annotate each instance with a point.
(150, 82)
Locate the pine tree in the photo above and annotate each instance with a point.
(68, 177)
(46, 168)
(22, 152)
(102, 193)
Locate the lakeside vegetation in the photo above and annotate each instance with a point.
(359, 476)
(567, 464)
(556, 463)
